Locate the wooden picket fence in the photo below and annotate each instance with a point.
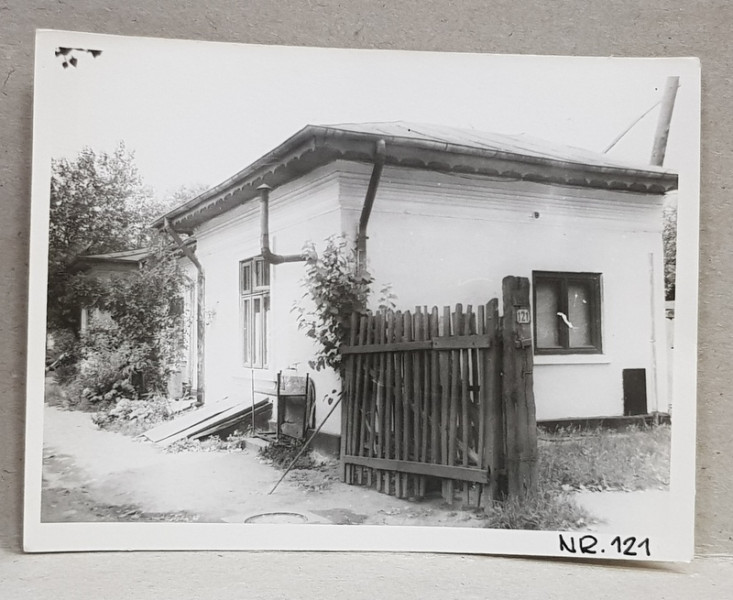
(422, 406)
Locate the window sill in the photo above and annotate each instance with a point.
(572, 359)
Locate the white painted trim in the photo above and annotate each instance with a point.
(425, 193)
(571, 359)
(281, 198)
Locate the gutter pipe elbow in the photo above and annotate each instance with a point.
(267, 254)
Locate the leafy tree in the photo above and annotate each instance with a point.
(94, 202)
(98, 205)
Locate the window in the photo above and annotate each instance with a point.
(567, 313)
(254, 310)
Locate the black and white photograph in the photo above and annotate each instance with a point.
(317, 298)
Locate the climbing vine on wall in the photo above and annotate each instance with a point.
(334, 289)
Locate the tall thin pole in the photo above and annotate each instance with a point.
(653, 336)
(252, 389)
(665, 118)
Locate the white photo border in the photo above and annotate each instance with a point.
(676, 543)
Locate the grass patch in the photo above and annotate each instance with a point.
(547, 511)
(634, 458)
(574, 459)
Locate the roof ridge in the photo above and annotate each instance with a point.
(538, 146)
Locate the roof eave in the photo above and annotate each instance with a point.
(317, 145)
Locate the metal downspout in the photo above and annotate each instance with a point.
(380, 154)
(270, 258)
(361, 239)
(200, 311)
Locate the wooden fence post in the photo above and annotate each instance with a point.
(495, 448)
(517, 392)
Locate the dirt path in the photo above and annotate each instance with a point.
(95, 475)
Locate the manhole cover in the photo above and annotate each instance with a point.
(277, 518)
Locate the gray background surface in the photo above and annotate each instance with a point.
(591, 27)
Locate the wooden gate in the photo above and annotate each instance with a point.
(423, 402)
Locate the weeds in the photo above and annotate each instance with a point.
(573, 459)
(634, 458)
(133, 417)
(213, 443)
(547, 511)
(282, 452)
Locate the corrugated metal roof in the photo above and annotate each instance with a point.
(520, 145)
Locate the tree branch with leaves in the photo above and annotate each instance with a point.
(335, 288)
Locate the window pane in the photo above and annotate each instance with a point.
(246, 330)
(580, 314)
(266, 323)
(262, 274)
(258, 325)
(258, 273)
(246, 277)
(547, 296)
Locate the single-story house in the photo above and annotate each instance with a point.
(450, 213)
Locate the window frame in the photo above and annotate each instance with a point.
(563, 279)
(254, 286)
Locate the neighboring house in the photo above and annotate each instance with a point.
(104, 267)
(455, 211)
(120, 264)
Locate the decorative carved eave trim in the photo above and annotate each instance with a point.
(315, 146)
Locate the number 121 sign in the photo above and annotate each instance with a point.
(523, 316)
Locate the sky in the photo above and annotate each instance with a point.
(198, 112)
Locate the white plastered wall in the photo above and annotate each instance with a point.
(440, 239)
(301, 211)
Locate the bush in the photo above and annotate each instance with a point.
(146, 309)
(134, 341)
(105, 373)
(64, 356)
